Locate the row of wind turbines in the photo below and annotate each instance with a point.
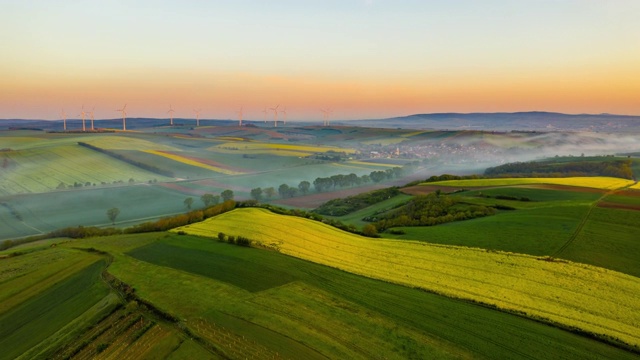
(326, 115)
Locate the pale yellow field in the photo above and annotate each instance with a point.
(599, 182)
(277, 149)
(372, 164)
(414, 133)
(127, 143)
(591, 298)
(187, 161)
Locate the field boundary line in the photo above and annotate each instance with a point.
(584, 220)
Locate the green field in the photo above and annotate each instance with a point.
(45, 168)
(597, 182)
(323, 312)
(538, 231)
(46, 212)
(608, 239)
(570, 294)
(40, 315)
(355, 218)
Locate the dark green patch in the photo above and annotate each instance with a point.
(248, 275)
(482, 331)
(609, 239)
(38, 318)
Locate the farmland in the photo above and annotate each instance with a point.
(551, 270)
(591, 182)
(571, 297)
(269, 304)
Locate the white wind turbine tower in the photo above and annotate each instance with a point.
(265, 114)
(64, 119)
(124, 117)
(197, 116)
(83, 114)
(285, 115)
(329, 112)
(240, 116)
(275, 116)
(92, 128)
(325, 116)
(170, 112)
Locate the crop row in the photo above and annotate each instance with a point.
(575, 295)
(44, 169)
(193, 162)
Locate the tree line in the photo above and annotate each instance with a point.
(344, 206)
(428, 210)
(322, 184)
(614, 168)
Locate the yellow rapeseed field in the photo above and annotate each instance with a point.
(635, 186)
(126, 143)
(598, 182)
(594, 299)
(187, 161)
(278, 149)
(372, 164)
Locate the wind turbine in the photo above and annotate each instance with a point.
(83, 113)
(170, 112)
(325, 116)
(265, 114)
(275, 116)
(197, 116)
(285, 115)
(240, 117)
(92, 117)
(329, 112)
(124, 117)
(64, 119)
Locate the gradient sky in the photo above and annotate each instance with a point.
(363, 59)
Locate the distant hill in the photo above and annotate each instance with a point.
(537, 121)
(518, 121)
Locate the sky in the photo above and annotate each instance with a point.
(362, 59)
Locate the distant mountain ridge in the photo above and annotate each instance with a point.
(515, 121)
(496, 121)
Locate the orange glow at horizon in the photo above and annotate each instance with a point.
(218, 94)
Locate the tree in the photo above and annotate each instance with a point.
(207, 199)
(188, 202)
(112, 214)
(256, 193)
(269, 192)
(292, 192)
(370, 230)
(304, 186)
(227, 195)
(283, 190)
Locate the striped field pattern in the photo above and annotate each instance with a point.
(593, 299)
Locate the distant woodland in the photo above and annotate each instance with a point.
(615, 168)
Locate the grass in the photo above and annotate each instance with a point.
(193, 162)
(608, 239)
(35, 319)
(23, 277)
(355, 218)
(249, 276)
(537, 231)
(331, 313)
(598, 182)
(45, 168)
(596, 300)
(49, 211)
